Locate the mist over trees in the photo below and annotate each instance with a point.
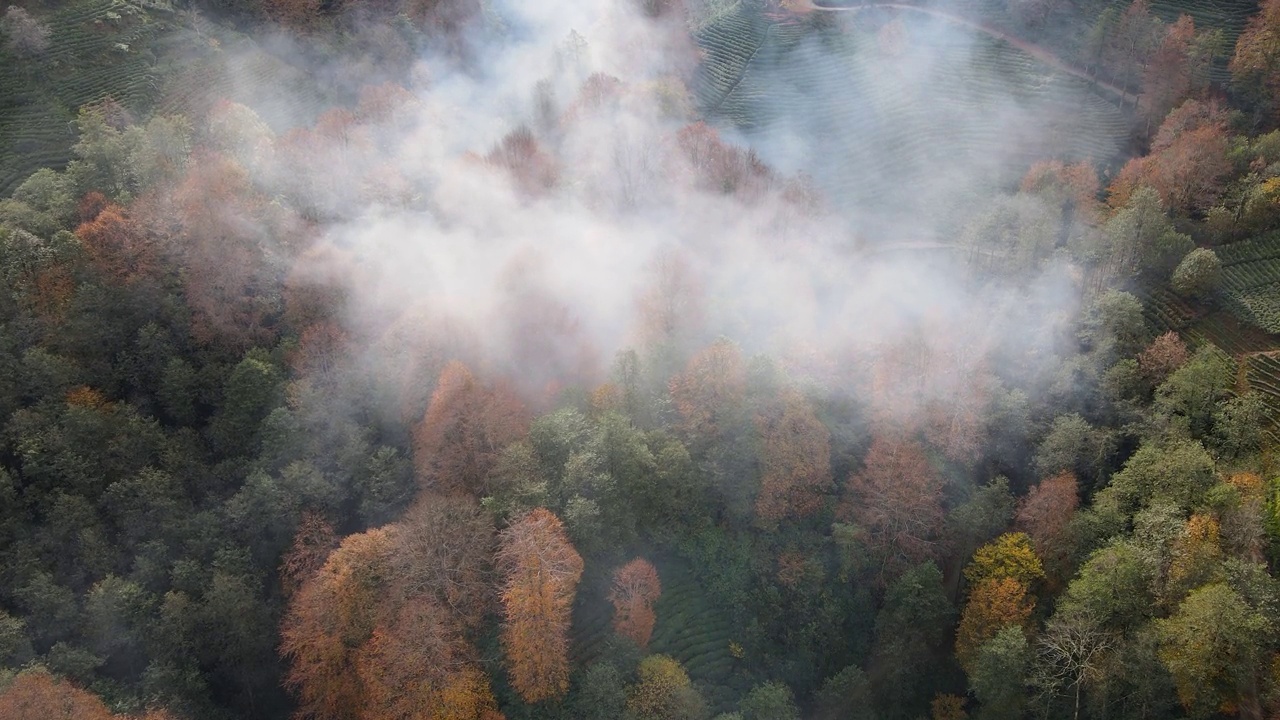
(642, 360)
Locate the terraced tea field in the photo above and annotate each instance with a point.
(689, 628)
(916, 120)
(1251, 280)
(98, 49)
(148, 59)
(1244, 326)
(218, 63)
(1262, 375)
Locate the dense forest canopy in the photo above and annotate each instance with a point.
(643, 359)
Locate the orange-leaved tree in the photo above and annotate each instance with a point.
(117, 246)
(1176, 70)
(710, 393)
(37, 695)
(220, 238)
(329, 617)
(541, 571)
(993, 605)
(1255, 66)
(443, 546)
(312, 542)
(1188, 164)
(795, 461)
(1071, 188)
(635, 588)
(419, 665)
(671, 303)
(465, 427)
(1164, 355)
(533, 170)
(379, 631)
(1045, 515)
(897, 500)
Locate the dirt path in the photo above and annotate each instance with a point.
(1036, 51)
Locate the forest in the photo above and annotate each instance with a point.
(639, 359)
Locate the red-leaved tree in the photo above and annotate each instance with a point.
(635, 589)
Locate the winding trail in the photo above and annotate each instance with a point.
(1040, 53)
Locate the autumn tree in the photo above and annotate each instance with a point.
(1255, 66)
(1046, 511)
(116, 246)
(533, 170)
(312, 543)
(38, 695)
(719, 167)
(1131, 41)
(1196, 557)
(1188, 161)
(35, 694)
(316, 165)
(1045, 516)
(795, 460)
(994, 604)
(663, 692)
(635, 588)
(670, 306)
(420, 666)
(1164, 355)
(947, 707)
(295, 14)
(387, 104)
(379, 631)
(442, 548)
(710, 393)
(541, 572)
(897, 499)
(442, 16)
(540, 327)
(1073, 189)
(321, 348)
(1178, 68)
(328, 619)
(220, 239)
(933, 378)
(465, 426)
(1008, 556)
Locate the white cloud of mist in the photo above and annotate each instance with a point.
(546, 286)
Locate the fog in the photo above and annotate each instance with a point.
(606, 223)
